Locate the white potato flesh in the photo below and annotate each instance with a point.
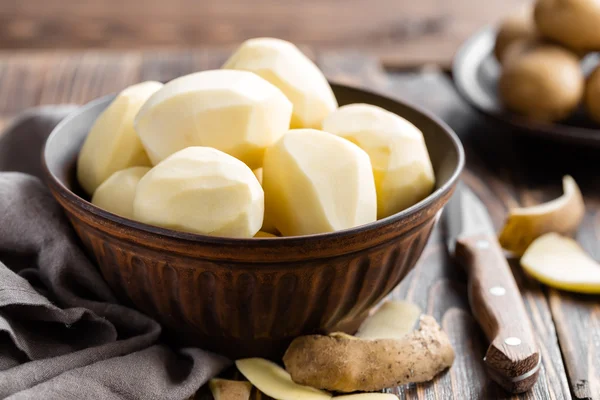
(560, 262)
(285, 66)
(236, 112)
(276, 382)
(393, 320)
(113, 144)
(116, 194)
(401, 165)
(316, 182)
(201, 190)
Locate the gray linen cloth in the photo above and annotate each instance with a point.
(62, 333)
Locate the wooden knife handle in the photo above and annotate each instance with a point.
(513, 357)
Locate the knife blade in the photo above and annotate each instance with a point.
(513, 358)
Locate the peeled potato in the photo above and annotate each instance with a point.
(401, 164)
(560, 262)
(562, 215)
(316, 182)
(544, 82)
(116, 194)
(113, 144)
(201, 190)
(236, 112)
(275, 382)
(268, 228)
(286, 67)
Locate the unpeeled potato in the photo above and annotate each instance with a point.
(573, 23)
(543, 82)
(514, 28)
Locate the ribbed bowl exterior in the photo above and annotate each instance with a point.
(251, 297)
(244, 309)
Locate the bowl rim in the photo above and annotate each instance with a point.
(291, 240)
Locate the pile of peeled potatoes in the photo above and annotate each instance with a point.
(257, 148)
(540, 49)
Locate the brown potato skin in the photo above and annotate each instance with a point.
(340, 364)
(225, 389)
(591, 98)
(543, 82)
(573, 23)
(514, 28)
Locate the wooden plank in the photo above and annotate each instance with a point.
(82, 77)
(576, 317)
(403, 33)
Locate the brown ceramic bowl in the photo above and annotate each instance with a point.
(251, 297)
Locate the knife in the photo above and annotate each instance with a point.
(512, 359)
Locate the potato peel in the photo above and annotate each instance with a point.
(393, 319)
(560, 262)
(225, 389)
(339, 364)
(276, 382)
(562, 215)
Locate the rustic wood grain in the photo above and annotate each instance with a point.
(503, 169)
(576, 317)
(401, 33)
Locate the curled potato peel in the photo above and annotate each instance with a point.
(562, 215)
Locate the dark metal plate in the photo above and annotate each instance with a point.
(476, 72)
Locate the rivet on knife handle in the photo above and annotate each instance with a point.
(513, 358)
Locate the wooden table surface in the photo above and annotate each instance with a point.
(503, 168)
(402, 33)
